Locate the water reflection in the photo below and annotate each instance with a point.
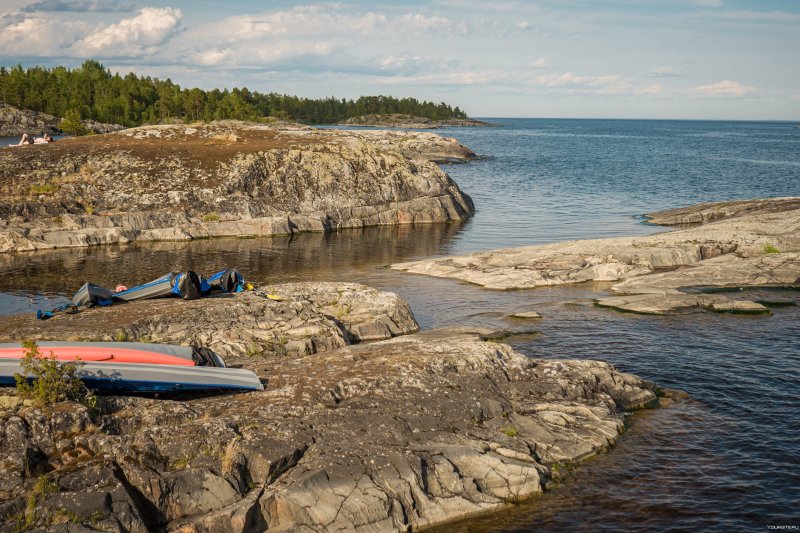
(45, 278)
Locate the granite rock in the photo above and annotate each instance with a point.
(395, 435)
(752, 243)
(222, 179)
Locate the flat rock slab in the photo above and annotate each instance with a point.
(387, 436)
(311, 317)
(672, 303)
(708, 212)
(754, 243)
(776, 270)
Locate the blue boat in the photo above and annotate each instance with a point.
(154, 289)
(135, 377)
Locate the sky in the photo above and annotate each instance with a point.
(674, 59)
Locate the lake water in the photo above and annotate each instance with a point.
(728, 460)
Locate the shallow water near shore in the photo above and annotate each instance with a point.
(729, 459)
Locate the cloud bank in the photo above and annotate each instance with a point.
(503, 57)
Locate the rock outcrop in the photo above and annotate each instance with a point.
(390, 436)
(14, 121)
(308, 318)
(399, 120)
(753, 243)
(221, 179)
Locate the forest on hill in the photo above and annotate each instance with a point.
(92, 92)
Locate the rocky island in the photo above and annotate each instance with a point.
(752, 243)
(401, 121)
(392, 435)
(222, 179)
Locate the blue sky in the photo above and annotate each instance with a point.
(690, 59)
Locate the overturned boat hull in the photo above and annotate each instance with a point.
(118, 352)
(127, 377)
(157, 288)
(90, 294)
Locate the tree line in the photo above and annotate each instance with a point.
(92, 92)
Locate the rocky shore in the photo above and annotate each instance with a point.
(14, 122)
(753, 243)
(394, 435)
(222, 179)
(398, 120)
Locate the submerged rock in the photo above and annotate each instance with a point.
(752, 243)
(524, 315)
(388, 436)
(222, 179)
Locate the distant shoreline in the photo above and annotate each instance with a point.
(397, 120)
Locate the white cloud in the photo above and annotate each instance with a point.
(604, 84)
(418, 22)
(455, 78)
(665, 72)
(316, 22)
(524, 25)
(133, 36)
(650, 90)
(37, 36)
(725, 88)
(300, 37)
(281, 53)
(542, 62)
(311, 20)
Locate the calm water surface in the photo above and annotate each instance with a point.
(728, 460)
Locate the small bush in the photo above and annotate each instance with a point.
(52, 381)
(211, 217)
(770, 249)
(511, 431)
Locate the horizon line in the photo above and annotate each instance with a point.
(500, 117)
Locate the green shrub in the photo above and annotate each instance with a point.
(211, 217)
(71, 124)
(770, 249)
(511, 431)
(50, 380)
